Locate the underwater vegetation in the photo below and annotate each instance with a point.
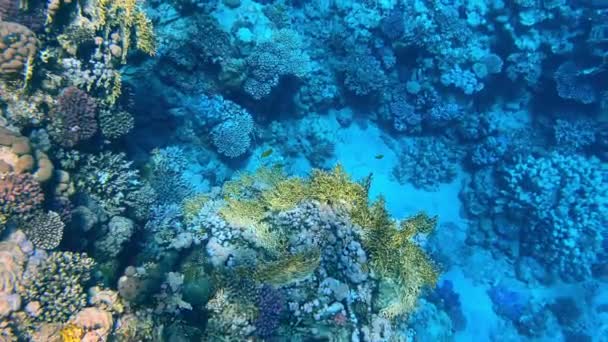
(324, 170)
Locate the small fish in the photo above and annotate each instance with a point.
(266, 153)
(379, 156)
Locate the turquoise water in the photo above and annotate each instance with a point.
(323, 170)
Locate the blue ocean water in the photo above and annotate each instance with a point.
(288, 170)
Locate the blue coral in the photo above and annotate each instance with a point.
(232, 137)
(562, 202)
(270, 61)
(490, 151)
(363, 73)
(404, 116)
(571, 84)
(271, 304)
(574, 135)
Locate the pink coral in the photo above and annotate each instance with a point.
(20, 194)
(73, 117)
(96, 322)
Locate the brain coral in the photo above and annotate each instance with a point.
(17, 47)
(73, 117)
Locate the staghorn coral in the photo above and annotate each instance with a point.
(45, 230)
(17, 48)
(57, 284)
(73, 119)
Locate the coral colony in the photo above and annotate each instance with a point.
(284, 170)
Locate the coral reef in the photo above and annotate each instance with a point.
(168, 170)
(74, 118)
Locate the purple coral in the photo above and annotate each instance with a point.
(73, 117)
(20, 194)
(270, 304)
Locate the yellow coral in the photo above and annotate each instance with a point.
(273, 241)
(393, 255)
(144, 33)
(127, 17)
(191, 206)
(243, 213)
(289, 269)
(286, 194)
(337, 188)
(71, 333)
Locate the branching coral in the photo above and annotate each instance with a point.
(58, 284)
(427, 162)
(232, 137)
(122, 18)
(115, 124)
(109, 179)
(393, 254)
